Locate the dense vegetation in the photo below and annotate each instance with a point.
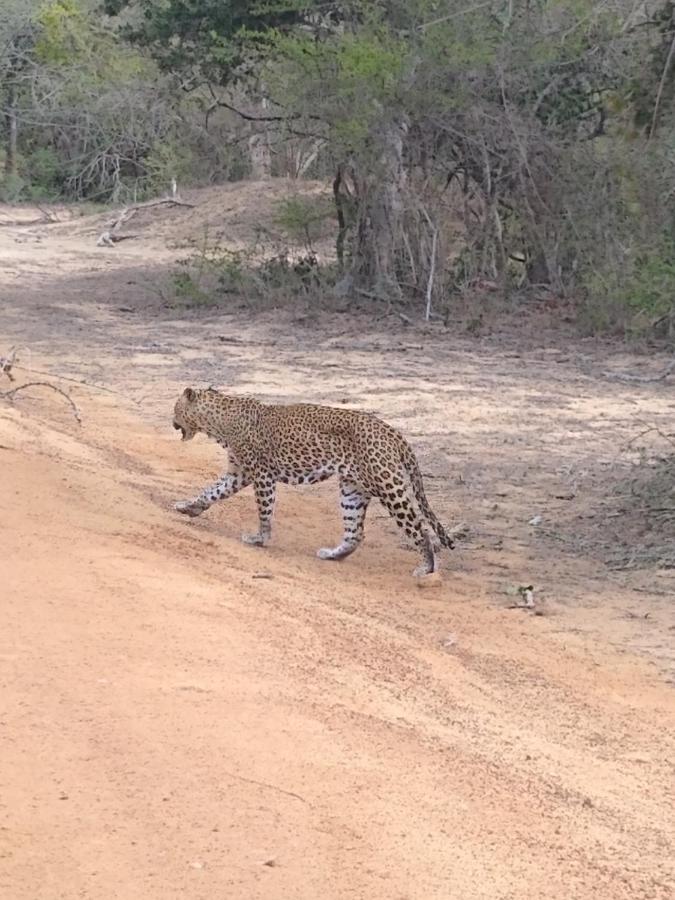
(527, 144)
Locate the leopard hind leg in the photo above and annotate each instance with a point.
(403, 510)
(354, 502)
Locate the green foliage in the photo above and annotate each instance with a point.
(207, 274)
(302, 218)
(12, 188)
(211, 39)
(350, 80)
(63, 32)
(637, 299)
(540, 132)
(42, 169)
(166, 160)
(215, 275)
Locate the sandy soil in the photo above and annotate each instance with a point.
(183, 716)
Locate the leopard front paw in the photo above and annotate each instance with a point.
(191, 508)
(255, 540)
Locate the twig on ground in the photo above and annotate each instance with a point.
(650, 429)
(8, 395)
(265, 784)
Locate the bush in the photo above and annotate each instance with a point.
(212, 274)
(639, 299)
(304, 219)
(169, 159)
(12, 188)
(42, 169)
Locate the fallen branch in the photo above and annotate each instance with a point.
(9, 362)
(8, 395)
(80, 381)
(109, 236)
(46, 218)
(648, 429)
(642, 379)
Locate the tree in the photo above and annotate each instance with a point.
(18, 31)
(83, 112)
(528, 144)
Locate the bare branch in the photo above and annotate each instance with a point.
(286, 117)
(8, 395)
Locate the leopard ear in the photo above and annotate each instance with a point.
(190, 394)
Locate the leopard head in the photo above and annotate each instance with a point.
(217, 415)
(186, 414)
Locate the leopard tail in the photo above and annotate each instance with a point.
(418, 490)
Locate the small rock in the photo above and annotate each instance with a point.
(535, 520)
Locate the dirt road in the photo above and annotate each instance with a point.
(183, 716)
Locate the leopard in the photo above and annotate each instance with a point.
(303, 444)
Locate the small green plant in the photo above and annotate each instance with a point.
(210, 272)
(303, 218)
(186, 291)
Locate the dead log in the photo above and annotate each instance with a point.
(109, 236)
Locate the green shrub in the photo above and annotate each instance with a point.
(43, 170)
(303, 219)
(12, 188)
(637, 299)
(167, 160)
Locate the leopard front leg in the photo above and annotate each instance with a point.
(227, 485)
(264, 486)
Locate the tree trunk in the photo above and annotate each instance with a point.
(260, 157)
(378, 243)
(343, 197)
(12, 131)
(259, 151)
(537, 269)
